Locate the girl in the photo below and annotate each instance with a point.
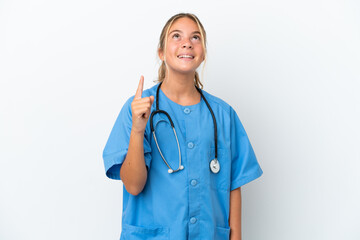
(180, 182)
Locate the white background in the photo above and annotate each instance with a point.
(290, 69)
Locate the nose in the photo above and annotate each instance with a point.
(187, 44)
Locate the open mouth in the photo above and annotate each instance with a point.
(184, 56)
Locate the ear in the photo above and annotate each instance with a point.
(161, 54)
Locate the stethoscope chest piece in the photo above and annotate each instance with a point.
(215, 166)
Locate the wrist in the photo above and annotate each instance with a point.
(137, 132)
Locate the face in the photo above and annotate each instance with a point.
(184, 50)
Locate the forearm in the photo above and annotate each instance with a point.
(133, 171)
(235, 214)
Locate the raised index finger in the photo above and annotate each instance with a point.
(140, 88)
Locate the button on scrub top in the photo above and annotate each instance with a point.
(194, 202)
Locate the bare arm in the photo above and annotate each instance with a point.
(133, 171)
(235, 214)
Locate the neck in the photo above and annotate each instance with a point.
(179, 86)
(181, 89)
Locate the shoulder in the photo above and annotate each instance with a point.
(226, 114)
(217, 102)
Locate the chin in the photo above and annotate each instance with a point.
(186, 71)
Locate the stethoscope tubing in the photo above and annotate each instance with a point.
(157, 110)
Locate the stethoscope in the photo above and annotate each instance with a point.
(214, 164)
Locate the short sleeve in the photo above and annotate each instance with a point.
(117, 144)
(244, 165)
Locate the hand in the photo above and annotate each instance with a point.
(140, 108)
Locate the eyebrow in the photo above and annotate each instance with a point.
(182, 32)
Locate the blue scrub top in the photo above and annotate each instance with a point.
(193, 203)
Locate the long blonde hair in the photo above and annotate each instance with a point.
(163, 40)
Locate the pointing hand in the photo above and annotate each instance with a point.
(140, 108)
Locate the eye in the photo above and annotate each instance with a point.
(196, 37)
(176, 36)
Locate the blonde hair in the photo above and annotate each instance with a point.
(163, 40)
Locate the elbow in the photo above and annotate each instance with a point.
(133, 185)
(134, 190)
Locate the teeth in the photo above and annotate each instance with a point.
(185, 56)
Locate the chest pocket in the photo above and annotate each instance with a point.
(131, 232)
(220, 180)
